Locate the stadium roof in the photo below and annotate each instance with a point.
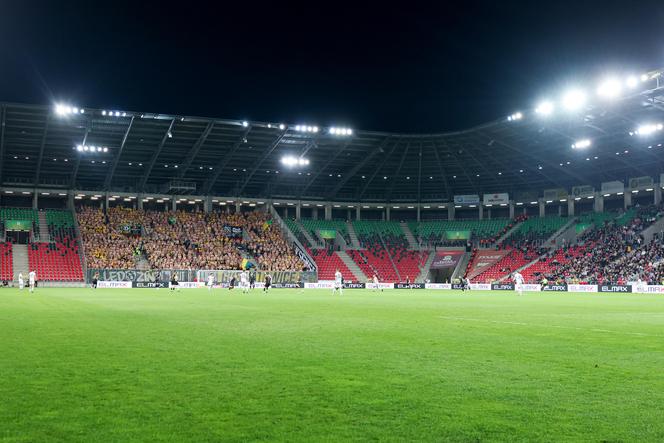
(148, 152)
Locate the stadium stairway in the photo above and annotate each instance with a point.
(508, 233)
(20, 259)
(352, 266)
(313, 243)
(653, 229)
(354, 241)
(461, 267)
(410, 237)
(567, 232)
(43, 228)
(424, 272)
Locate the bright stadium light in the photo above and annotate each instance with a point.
(545, 108)
(648, 129)
(644, 77)
(574, 99)
(282, 127)
(582, 144)
(610, 88)
(515, 117)
(245, 123)
(632, 82)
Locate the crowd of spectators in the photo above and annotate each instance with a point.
(182, 240)
(615, 253)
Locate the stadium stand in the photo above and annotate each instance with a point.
(315, 226)
(534, 231)
(328, 262)
(182, 240)
(484, 232)
(6, 262)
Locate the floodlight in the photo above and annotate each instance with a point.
(75, 110)
(60, 109)
(245, 123)
(103, 112)
(315, 129)
(644, 77)
(282, 126)
(544, 108)
(649, 128)
(574, 99)
(79, 148)
(85, 148)
(632, 82)
(582, 144)
(105, 149)
(117, 113)
(610, 88)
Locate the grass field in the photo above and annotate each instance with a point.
(149, 365)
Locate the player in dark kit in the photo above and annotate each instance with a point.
(95, 280)
(231, 284)
(268, 283)
(252, 280)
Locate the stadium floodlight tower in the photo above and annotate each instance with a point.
(574, 99)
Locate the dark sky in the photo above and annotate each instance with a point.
(409, 67)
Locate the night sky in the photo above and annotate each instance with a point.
(410, 68)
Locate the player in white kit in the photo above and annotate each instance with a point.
(338, 283)
(210, 282)
(244, 281)
(32, 279)
(518, 282)
(376, 285)
(21, 281)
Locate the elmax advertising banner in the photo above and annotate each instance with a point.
(502, 287)
(409, 286)
(114, 284)
(555, 288)
(614, 288)
(446, 259)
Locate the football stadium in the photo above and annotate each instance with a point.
(177, 277)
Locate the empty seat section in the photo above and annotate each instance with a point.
(6, 262)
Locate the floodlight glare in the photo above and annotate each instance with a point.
(610, 88)
(282, 126)
(245, 123)
(649, 128)
(582, 144)
(632, 82)
(544, 108)
(105, 149)
(574, 99)
(644, 77)
(79, 148)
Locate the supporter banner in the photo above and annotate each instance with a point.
(446, 259)
(457, 235)
(583, 191)
(136, 275)
(496, 199)
(442, 286)
(233, 231)
(467, 199)
(555, 194)
(582, 288)
(328, 234)
(531, 288)
(613, 187)
(141, 284)
(305, 258)
(480, 286)
(409, 286)
(614, 288)
(18, 225)
(484, 260)
(114, 284)
(641, 182)
(555, 288)
(354, 286)
(502, 287)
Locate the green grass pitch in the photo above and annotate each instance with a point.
(151, 365)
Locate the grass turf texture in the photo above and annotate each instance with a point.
(151, 365)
